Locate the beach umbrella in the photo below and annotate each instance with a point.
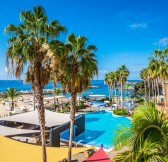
(100, 155)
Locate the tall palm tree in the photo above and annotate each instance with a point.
(26, 47)
(122, 73)
(153, 68)
(54, 82)
(126, 87)
(113, 82)
(143, 76)
(164, 76)
(147, 137)
(34, 96)
(158, 63)
(12, 93)
(57, 72)
(81, 66)
(108, 81)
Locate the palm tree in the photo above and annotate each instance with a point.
(126, 86)
(108, 81)
(122, 73)
(54, 82)
(56, 92)
(12, 93)
(164, 76)
(158, 69)
(147, 137)
(81, 66)
(34, 96)
(27, 43)
(113, 83)
(153, 69)
(143, 76)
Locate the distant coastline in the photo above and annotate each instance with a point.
(97, 86)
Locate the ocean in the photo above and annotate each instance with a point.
(20, 85)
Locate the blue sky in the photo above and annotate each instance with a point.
(124, 31)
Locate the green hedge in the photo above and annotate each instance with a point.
(120, 112)
(139, 100)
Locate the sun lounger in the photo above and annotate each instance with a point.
(89, 152)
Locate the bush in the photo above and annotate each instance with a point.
(82, 102)
(139, 100)
(81, 106)
(120, 112)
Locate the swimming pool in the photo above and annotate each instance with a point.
(100, 129)
(97, 103)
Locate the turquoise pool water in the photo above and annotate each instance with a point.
(100, 129)
(97, 103)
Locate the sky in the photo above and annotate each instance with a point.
(124, 31)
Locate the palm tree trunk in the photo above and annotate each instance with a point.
(165, 93)
(79, 98)
(149, 89)
(118, 96)
(152, 90)
(158, 93)
(115, 93)
(112, 95)
(155, 90)
(109, 92)
(73, 103)
(41, 116)
(145, 90)
(12, 106)
(34, 106)
(55, 91)
(121, 95)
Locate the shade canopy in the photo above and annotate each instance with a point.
(52, 118)
(99, 156)
(49, 98)
(15, 151)
(97, 95)
(8, 131)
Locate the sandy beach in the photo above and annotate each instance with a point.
(25, 102)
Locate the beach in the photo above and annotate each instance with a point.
(25, 103)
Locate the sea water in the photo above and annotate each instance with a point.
(20, 85)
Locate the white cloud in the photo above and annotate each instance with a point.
(103, 71)
(162, 42)
(138, 25)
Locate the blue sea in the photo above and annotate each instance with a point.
(20, 85)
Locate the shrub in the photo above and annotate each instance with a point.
(139, 100)
(120, 112)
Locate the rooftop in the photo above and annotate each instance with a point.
(52, 118)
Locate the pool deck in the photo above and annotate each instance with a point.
(86, 110)
(112, 154)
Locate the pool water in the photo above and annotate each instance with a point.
(100, 129)
(97, 103)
